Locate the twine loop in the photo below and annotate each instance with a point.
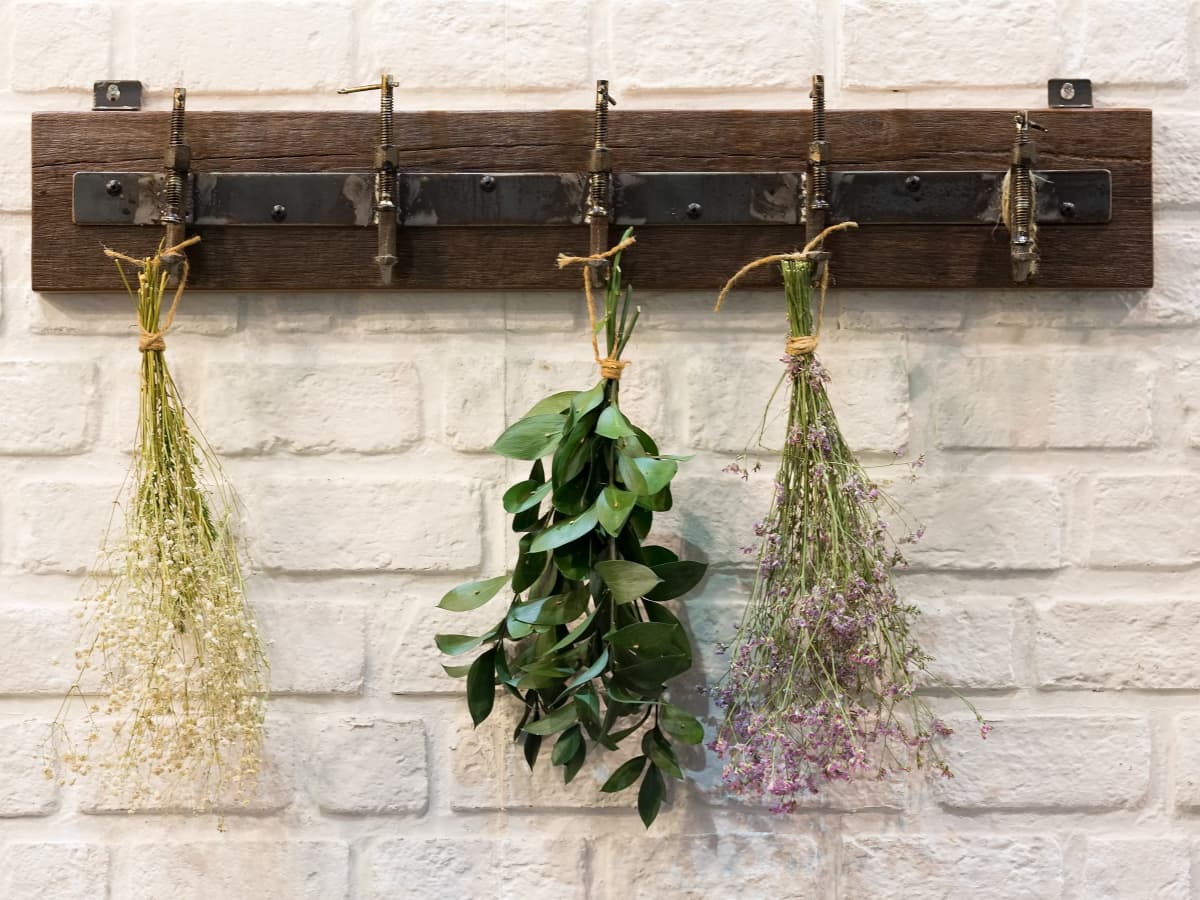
(152, 341)
(610, 367)
(797, 345)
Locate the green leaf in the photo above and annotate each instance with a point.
(626, 580)
(524, 495)
(631, 476)
(647, 442)
(571, 498)
(481, 686)
(533, 743)
(661, 753)
(677, 579)
(473, 594)
(654, 556)
(589, 706)
(660, 502)
(620, 695)
(613, 507)
(456, 671)
(625, 775)
(650, 638)
(590, 672)
(577, 632)
(565, 531)
(566, 746)
(574, 764)
(561, 718)
(559, 609)
(529, 566)
(656, 472)
(650, 796)
(586, 401)
(640, 521)
(574, 560)
(530, 438)
(613, 424)
(555, 403)
(458, 644)
(680, 724)
(647, 654)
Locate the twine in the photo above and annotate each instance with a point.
(1006, 187)
(152, 341)
(610, 367)
(797, 345)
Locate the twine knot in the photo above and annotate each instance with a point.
(798, 346)
(152, 341)
(610, 367)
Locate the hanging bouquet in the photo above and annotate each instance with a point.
(824, 669)
(177, 650)
(587, 645)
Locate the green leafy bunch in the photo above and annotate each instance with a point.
(587, 644)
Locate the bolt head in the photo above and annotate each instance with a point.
(487, 183)
(912, 183)
(113, 188)
(113, 92)
(694, 210)
(1067, 91)
(278, 212)
(1067, 209)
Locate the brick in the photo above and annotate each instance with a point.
(16, 164)
(507, 869)
(1189, 399)
(57, 526)
(53, 871)
(1158, 868)
(283, 751)
(1053, 399)
(868, 25)
(714, 516)
(896, 310)
(315, 408)
(708, 865)
(314, 646)
(1145, 521)
(942, 867)
(344, 524)
(1149, 49)
(983, 522)
(1186, 738)
(245, 46)
(82, 33)
(1176, 159)
(414, 661)
(1119, 644)
(869, 395)
(417, 55)
(1174, 299)
(39, 644)
(544, 44)
(1051, 763)
(473, 400)
(660, 44)
(969, 637)
(431, 312)
(35, 427)
(95, 314)
(371, 765)
(267, 870)
(24, 788)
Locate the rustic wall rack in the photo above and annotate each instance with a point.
(485, 200)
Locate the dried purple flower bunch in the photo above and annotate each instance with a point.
(823, 675)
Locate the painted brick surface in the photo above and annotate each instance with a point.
(1056, 576)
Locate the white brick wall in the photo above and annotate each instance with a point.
(1058, 575)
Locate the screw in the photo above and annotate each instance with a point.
(113, 92)
(1067, 209)
(487, 183)
(1066, 90)
(694, 210)
(113, 188)
(912, 183)
(278, 212)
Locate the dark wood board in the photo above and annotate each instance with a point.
(1117, 255)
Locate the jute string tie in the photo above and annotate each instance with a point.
(152, 341)
(610, 368)
(797, 345)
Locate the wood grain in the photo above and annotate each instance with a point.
(1119, 254)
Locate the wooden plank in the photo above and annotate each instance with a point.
(1116, 255)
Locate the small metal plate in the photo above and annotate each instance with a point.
(965, 198)
(1069, 93)
(252, 198)
(124, 95)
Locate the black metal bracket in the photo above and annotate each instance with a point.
(118, 95)
(431, 199)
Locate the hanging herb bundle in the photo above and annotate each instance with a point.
(168, 629)
(586, 644)
(824, 668)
